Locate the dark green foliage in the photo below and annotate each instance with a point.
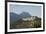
(37, 23)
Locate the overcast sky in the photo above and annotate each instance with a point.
(32, 10)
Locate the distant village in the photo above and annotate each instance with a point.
(29, 18)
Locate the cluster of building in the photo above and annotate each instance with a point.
(28, 18)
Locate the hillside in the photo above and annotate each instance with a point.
(36, 23)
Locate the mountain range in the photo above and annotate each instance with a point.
(14, 17)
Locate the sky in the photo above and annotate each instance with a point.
(31, 9)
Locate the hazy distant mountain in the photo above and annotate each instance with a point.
(25, 14)
(14, 17)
